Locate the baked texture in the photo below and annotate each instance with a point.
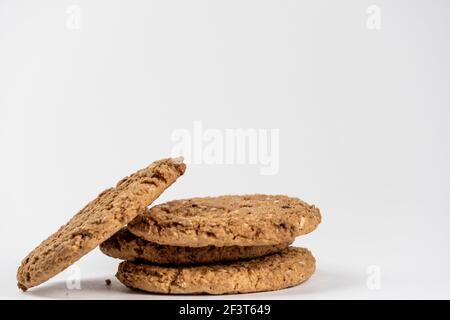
(97, 221)
(246, 220)
(287, 268)
(126, 246)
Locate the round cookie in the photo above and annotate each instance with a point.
(98, 221)
(126, 246)
(247, 220)
(287, 268)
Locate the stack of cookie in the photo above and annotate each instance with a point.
(216, 245)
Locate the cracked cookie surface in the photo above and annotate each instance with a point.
(287, 268)
(126, 246)
(245, 220)
(98, 221)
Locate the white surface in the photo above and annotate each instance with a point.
(363, 118)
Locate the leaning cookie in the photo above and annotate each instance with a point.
(126, 246)
(248, 220)
(287, 268)
(98, 221)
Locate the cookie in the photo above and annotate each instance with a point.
(98, 221)
(287, 268)
(126, 246)
(247, 220)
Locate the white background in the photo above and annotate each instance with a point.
(363, 117)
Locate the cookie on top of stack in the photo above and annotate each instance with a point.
(216, 245)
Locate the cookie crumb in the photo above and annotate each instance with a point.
(178, 160)
(108, 282)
